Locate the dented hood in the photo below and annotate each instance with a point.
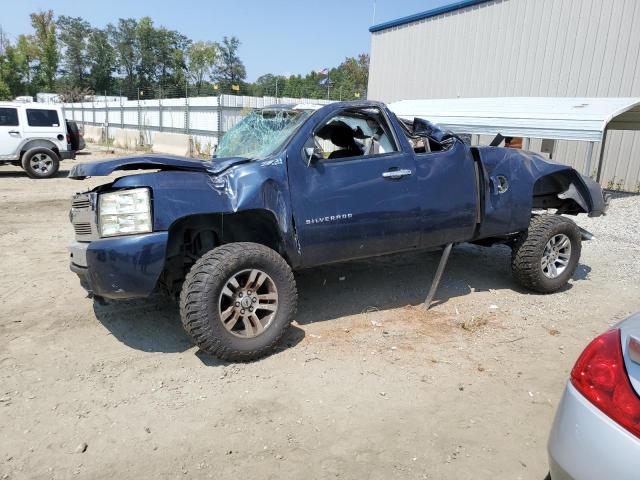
(153, 162)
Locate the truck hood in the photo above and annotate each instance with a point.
(153, 162)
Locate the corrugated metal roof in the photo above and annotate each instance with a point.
(429, 13)
(560, 118)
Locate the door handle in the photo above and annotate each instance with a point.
(14, 132)
(395, 174)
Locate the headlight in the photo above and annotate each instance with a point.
(124, 212)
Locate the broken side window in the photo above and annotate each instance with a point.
(427, 137)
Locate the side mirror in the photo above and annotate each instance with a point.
(313, 154)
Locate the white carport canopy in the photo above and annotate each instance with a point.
(559, 118)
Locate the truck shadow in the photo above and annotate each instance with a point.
(153, 325)
(19, 173)
(382, 283)
(330, 292)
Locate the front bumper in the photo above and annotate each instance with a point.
(120, 267)
(585, 444)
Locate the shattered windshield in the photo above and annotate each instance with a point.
(260, 133)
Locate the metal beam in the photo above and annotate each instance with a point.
(601, 159)
(436, 280)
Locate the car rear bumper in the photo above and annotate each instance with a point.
(585, 444)
(120, 267)
(67, 154)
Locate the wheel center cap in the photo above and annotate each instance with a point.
(245, 302)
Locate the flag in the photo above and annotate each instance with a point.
(235, 87)
(324, 71)
(325, 81)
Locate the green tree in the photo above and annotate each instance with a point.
(123, 39)
(101, 58)
(27, 54)
(171, 51)
(229, 69)
(269, 85)
(145, 53)
(48, 57)
(5, 93)
(202, 60)
(73, 35)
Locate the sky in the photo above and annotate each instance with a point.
(278, 36)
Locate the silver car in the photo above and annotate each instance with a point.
(596, 432)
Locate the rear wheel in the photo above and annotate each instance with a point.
(40, 163)
(238, 300)
(546, 255)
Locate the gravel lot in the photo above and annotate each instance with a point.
(366, 385)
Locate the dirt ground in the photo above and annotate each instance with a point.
(366, 385)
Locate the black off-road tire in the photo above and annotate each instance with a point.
(201, 292)
(33, 152)
(526, 255)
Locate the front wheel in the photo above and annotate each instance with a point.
(546, 255)
(238, 300)
(40, 163)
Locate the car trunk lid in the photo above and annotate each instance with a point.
(630, 339)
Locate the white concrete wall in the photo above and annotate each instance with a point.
(521, 48)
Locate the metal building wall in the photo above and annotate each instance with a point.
(522, 48)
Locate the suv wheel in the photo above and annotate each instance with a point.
(546, 255)
(40, 163)
(238, 300)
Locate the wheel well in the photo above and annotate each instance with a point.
(192, 236)
(39, 144)
(560, 190)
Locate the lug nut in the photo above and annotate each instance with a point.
(237, 304)
(249, 292)
(254, 299)
(251, 309)
(242, 311)
(240, 295)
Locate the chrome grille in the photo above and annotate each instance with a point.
(82, 228)
(83, 216)
(80, 203)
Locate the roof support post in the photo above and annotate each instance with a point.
(601, 159)
(526, 143)
(587, 166)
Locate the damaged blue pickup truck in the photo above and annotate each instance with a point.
(296, 186)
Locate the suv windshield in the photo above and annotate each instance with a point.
(261, 133)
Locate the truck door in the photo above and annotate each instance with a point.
(353, 189)
(448, 194)
(10, 136)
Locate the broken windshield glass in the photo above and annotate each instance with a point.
(261, 133)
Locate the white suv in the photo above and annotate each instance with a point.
(34, 136)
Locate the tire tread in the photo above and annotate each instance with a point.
(207, 272)
(525, 258)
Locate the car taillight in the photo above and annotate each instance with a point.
(68, 138)
(600, 375)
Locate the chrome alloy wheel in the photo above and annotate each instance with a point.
(248, 303)
(556, 256)
(41, 164)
